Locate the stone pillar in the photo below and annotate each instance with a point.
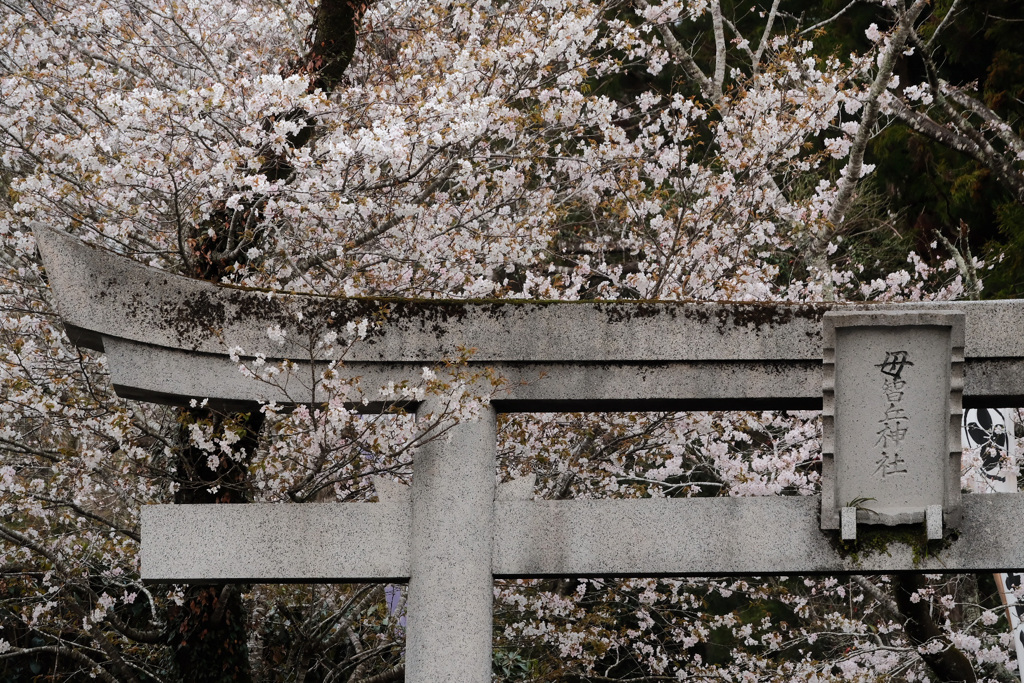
(448, 639)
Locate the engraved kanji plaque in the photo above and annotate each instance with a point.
(892, 386)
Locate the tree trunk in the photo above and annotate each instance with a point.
(208, 630)
(950, 665)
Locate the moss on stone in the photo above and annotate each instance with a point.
(876, 539)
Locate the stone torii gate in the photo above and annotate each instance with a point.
(891, 381)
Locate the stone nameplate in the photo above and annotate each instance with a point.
(892, 388)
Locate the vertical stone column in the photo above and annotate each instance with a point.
(448, 639)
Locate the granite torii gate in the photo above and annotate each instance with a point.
(891, 381)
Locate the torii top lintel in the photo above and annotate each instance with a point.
(168, 339)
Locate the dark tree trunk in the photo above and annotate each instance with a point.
(204, 478)
(208, 631)
(949, 665)
(210, 637)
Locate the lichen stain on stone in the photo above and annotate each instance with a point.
(753, 315)
(618, 312)
(224, 307)
(201, 310)
(246, 306)
(218, 307)
(432, 316)
(195, 318)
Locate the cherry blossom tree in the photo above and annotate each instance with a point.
(686, 149)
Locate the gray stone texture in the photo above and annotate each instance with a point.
(933, 522)
(517, 489)
(596, 356)
(675, 537)
(753, 536)
(451, 589)
(891, 421)
(276, 542)
(847, 523)
(391, 491)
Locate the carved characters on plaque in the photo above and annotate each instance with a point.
(894, 421)
(892, 384)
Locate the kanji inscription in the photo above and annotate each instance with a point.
(892, 394)
(894, 422)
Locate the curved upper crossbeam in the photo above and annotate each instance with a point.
(169, 338)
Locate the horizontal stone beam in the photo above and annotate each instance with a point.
(597, 538)
(308, 543)
(165, 375)
(151, 373)
(168, 338)
(773, 535)
(105, 295)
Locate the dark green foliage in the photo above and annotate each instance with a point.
(936, 189)
(1007, 277)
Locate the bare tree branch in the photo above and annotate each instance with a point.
(972, 284)
(942, 24)
(88, 515)
(828, 21)
(957, 139)
(396, 673)
(716, 22)
(93, 667)
(772, 13)
(685, 58)
(851, 178)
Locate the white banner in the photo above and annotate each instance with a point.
(989, 433)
